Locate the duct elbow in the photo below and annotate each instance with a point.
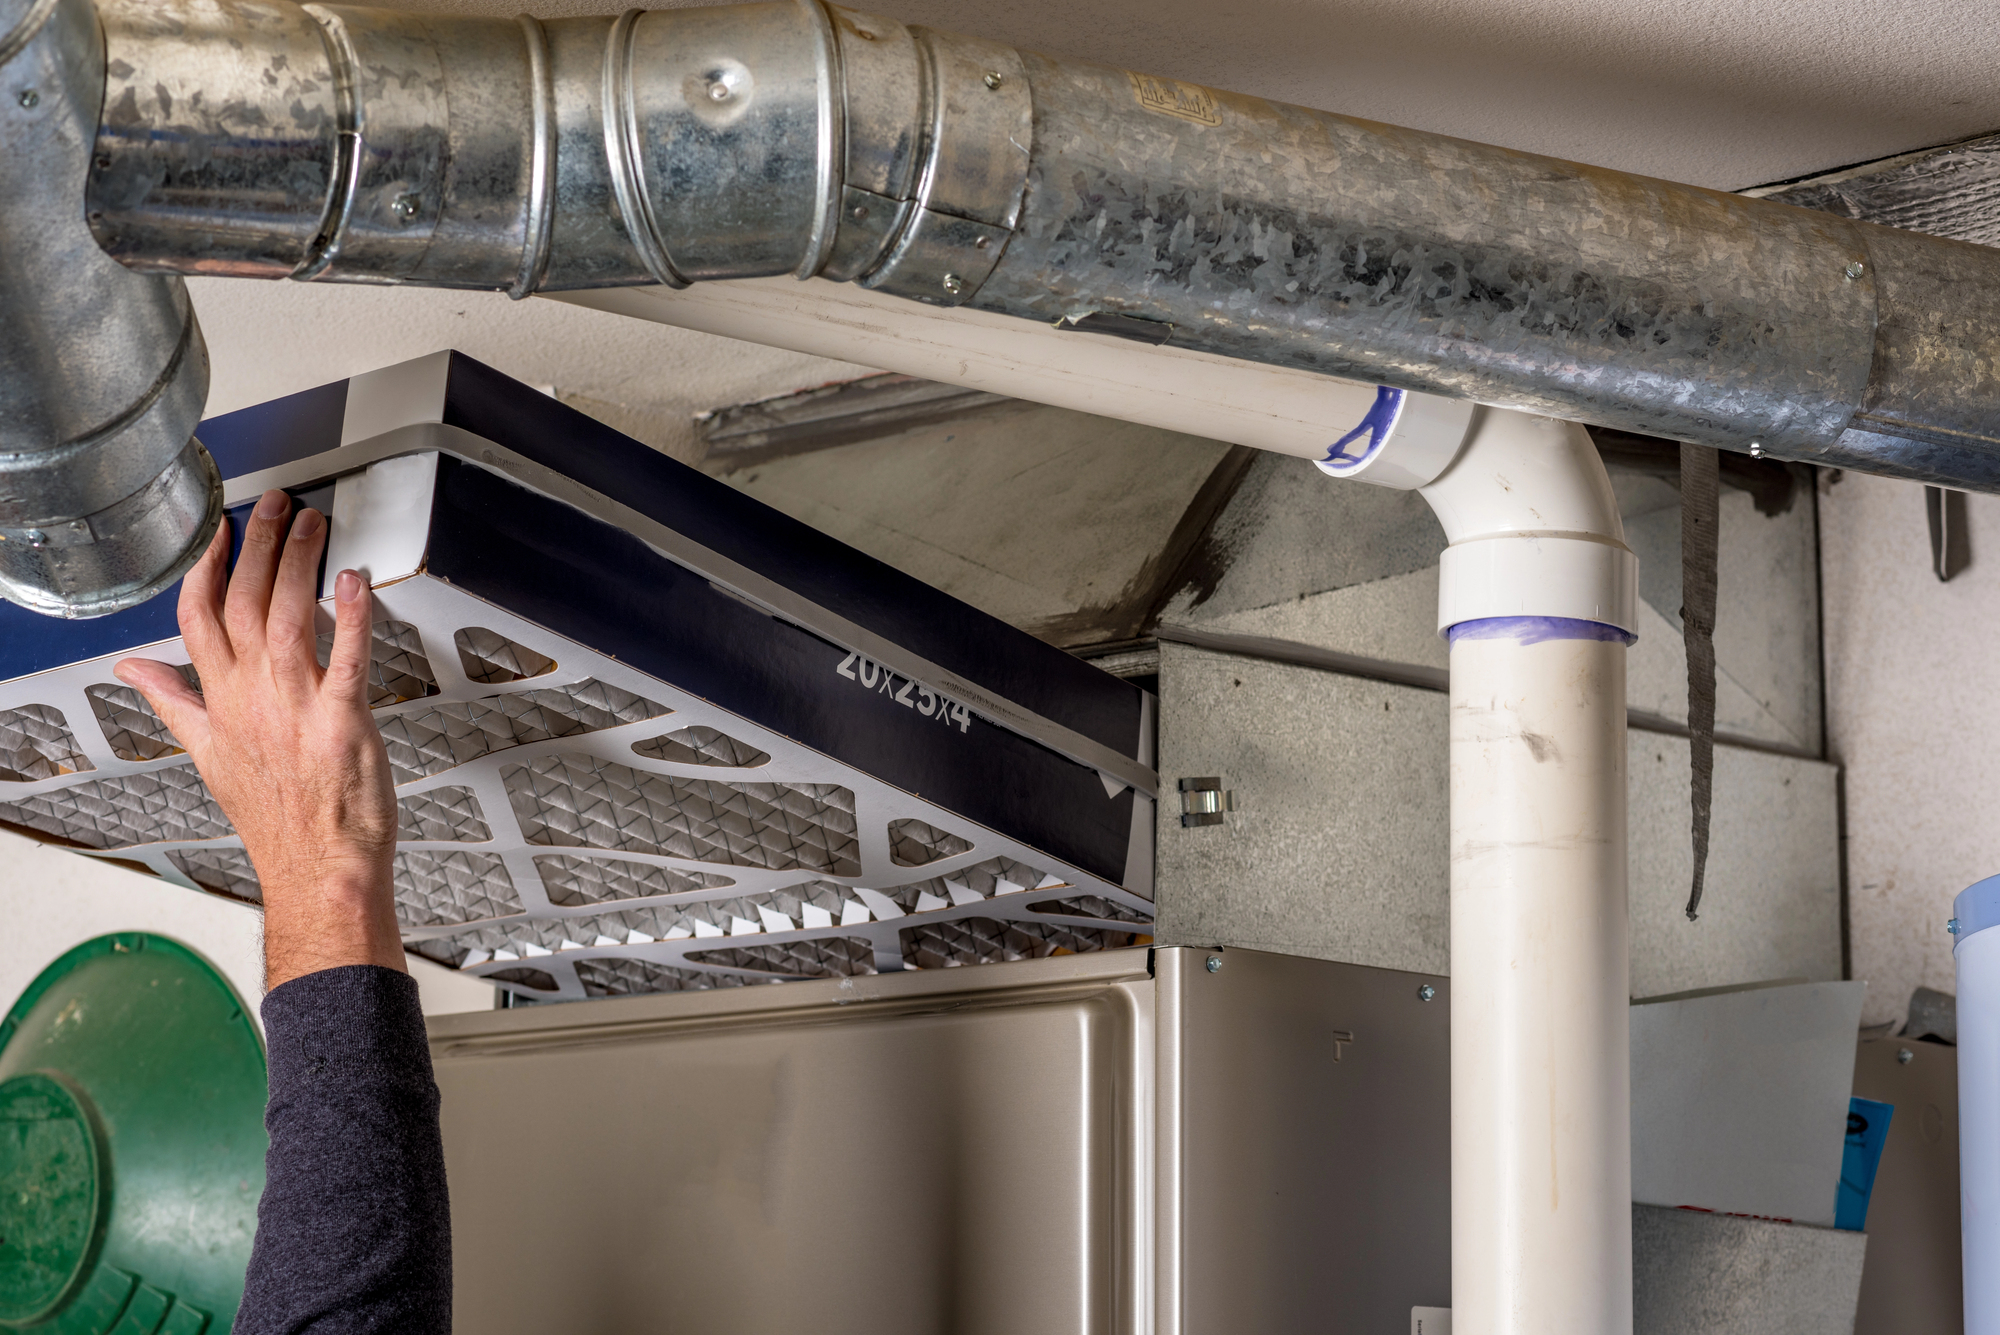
(1532, 526)
(106, 498)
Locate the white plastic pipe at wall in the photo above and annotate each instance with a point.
(1976, 952)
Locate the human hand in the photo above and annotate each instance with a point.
(288, 748)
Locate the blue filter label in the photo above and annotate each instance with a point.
(1867, 1133)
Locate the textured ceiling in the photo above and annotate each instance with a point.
(1724, 93)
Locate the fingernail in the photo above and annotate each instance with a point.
(118, 671)
(307, 525)
(347, 586)
(270, 505)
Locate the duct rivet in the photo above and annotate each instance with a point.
(1214, 963)
(1426, 992)
(954, 284)
(1854, 270)
(30, 98)
(1904, 1056)
(405, 207)
(718, 91)
(860, 211)
(993, 80)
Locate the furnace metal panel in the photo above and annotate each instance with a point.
(962, 1152)
(1119, 1142)
(1337, 846)
(617, 770)
(1305, 1144)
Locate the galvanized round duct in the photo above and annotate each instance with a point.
(751, 140)
(105, 497)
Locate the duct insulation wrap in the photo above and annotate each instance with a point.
(669, 741)
(755, 140)
(105, 497)
(1976, 952)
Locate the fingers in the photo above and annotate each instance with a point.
(246, 607)
(200, 610)
(178, 704)
(289, 631)
(347, 667)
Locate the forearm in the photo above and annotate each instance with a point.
(354, 1230)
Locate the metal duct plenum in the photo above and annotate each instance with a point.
(105, 497)
(260, 138)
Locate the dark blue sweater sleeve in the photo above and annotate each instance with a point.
(354, 1228)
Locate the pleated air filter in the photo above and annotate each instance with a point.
(648, 734)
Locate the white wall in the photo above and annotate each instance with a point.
(1913, 712)
(51, 900)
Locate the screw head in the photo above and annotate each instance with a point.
(405, 207)
(993, 80)
(30, 98)
(1952, 927)
(718, 91)
(36, 537)
(1426, 993)
(1214, 963)
(954, 284)
(1756, 449)
(1854, 270)
(1904, 1056)
(860, 210)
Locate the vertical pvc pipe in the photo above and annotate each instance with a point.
(1977, 955)
(1540, 1056)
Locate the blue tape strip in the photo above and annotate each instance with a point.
(1537, 630)
(1376, 425)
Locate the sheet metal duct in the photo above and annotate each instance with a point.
(261, 138)
(104, 497)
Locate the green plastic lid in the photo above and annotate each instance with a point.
(132, 1143)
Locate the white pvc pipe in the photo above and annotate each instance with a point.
(1541, 1164)
(1246, 403)
(1976, 915)
(1539, 595)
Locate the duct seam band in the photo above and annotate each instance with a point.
(1570, 575)
(13, 43)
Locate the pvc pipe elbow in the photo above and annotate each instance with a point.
(1533, 526)
(1526, 506)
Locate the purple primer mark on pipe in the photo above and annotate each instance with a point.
(1376, 424)
(1538, 630)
